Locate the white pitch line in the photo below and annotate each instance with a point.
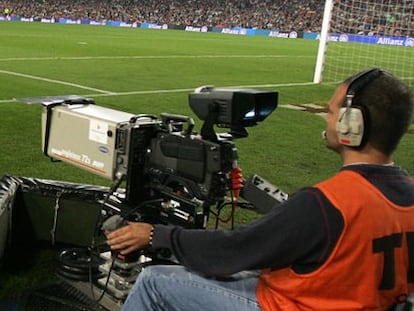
(4, 101)
(54, 81)
(141, 57)
(178, 90)
(192, 89)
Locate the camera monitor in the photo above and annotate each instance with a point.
(233, 108)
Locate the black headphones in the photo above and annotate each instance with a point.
(352, 122)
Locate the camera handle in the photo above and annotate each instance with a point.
(170, 119)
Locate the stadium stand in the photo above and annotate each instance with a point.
(283, 15)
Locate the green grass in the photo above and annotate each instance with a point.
(152, 71)
(97, 60)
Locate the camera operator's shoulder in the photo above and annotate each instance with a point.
(305, 199)
(305, 191)
(310, 208)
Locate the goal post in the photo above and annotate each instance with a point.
(323, 41)
(359, 34)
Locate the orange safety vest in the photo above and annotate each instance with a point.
(369, 267)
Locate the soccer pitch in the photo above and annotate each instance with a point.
(153, 71)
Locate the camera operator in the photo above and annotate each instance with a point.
(346, 243)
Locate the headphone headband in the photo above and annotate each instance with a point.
(362, 80)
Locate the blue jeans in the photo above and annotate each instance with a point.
(172, 287)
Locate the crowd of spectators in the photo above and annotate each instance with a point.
(373, 17)
(366, 17)
(286, 15)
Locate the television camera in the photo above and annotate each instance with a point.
(172, 174)
(166, 166)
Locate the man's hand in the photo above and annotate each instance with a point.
(133, 236)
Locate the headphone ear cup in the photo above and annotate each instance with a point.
(350, 126)
(342, 124)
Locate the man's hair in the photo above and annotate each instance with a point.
(388, 105)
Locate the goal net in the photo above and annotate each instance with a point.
(359, 34)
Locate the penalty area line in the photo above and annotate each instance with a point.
(4, 101)
(144, 92)
(144, 57)
(192, 89)
(17, 74)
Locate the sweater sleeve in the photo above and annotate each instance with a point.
(300, 232)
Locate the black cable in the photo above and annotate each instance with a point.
(106, 282)
(93, 247)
